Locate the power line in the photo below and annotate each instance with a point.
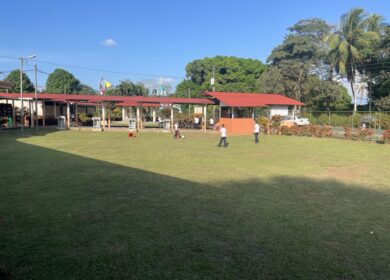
(100, 70)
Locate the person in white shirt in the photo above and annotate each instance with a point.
(212, 123)
(177, 132)
(196, 120)
(256, 132)
(223, 136)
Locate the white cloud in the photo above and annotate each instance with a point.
(109, 43)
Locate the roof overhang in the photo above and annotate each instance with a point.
(239, 99)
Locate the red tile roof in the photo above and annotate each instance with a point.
(106, 98)
(135, 104)
(238, 99)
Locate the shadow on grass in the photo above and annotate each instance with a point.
(69, 217)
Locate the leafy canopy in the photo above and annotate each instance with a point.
(61, 81)
(231, 74)
(14, 79)
(128, 88)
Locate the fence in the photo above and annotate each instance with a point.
(339, 120)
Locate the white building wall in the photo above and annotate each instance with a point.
(281, 110)
(26, 104)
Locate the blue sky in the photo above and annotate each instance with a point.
(152, 37)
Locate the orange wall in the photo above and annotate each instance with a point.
(237, 126)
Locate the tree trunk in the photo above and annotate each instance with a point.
(354, 98)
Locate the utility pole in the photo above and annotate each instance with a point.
(36, 96)
(21, 95)
(22, 59)
(213, 79)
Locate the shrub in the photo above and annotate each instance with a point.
(276, 120)
(386, 135)
(312, 130)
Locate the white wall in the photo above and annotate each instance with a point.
(26, 104)
(279, 110)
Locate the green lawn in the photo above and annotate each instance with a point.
(91, 205)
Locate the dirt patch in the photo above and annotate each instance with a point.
(346, 174)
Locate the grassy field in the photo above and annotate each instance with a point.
(89, 205)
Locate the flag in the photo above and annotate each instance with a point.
(102, 87)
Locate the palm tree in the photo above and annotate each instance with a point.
(352, 36)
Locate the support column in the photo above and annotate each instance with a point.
(220, 112)
(103, 115)
(205, 117)
(109, 117)
(138, 120)
(123, 113)
(171, 126)
(31, 114)
(55, 109)
(75, 114)
(154, 114)
(232, 112)
(67, 114)
(13, 113)
(43, 113)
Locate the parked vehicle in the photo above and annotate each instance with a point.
(294, 120)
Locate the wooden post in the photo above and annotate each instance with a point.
(55, 109)
(220, 112)
(67, 114)
(43, 113)
(232, 112)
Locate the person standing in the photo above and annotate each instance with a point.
(177, 132)
(211, 123)
(256, 132)
(196, 120)
(223, 132)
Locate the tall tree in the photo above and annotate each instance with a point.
(187, 88)
(14, 79)
(347, 44)
(61, 81)
(128, 88)
(298, 62)
(86, 89)
(231, 74)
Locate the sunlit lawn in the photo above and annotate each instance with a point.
(90, 205)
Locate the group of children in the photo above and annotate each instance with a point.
(223, 132)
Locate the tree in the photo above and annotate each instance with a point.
(128, 88)
(326, 95)
(298, 62)
(377, 70)
(14, 79)
(86, 89)
(288, 77)
(187, 88)
(231, 74)
(347, 44)
(61, 81)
